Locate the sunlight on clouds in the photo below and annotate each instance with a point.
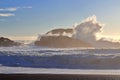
(14, 8)
(8, 9)
(6, 14)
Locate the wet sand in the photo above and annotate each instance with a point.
(57, 77)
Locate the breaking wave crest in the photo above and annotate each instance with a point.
(40, 57)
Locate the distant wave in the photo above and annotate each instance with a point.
(33, 56)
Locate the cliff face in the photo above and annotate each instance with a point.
(5, 42)
(61, 42)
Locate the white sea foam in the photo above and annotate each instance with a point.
(33, 56)
(90, 30)
(15, 70)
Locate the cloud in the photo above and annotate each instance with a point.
(14, 8)
(6, 14)
(8, 9)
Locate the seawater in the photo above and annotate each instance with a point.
(68, 58)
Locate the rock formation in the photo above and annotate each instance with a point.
(60, 31)
(61, 42)
(5, 42)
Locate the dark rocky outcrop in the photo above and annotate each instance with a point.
(5, 42)
(60, 31)
(61, 42)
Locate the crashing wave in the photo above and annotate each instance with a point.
(60, 58)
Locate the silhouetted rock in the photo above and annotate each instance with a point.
(60, 31)
(5, 42)
(61, 42)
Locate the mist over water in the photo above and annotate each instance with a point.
(89, 30)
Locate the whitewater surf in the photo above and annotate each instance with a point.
(60, 58)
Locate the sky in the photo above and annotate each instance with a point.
(25, 19)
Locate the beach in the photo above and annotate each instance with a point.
(57, 77)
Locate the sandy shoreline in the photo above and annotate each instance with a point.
(57, 77)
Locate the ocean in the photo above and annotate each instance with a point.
(67, 58)
(28, 62)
